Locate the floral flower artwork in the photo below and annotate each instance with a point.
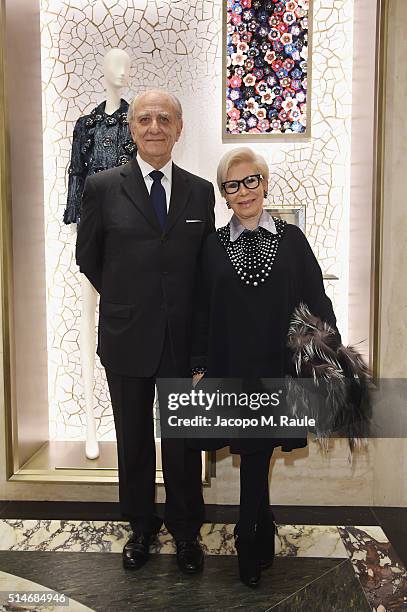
(266, 66)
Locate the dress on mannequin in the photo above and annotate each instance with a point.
(100, 142)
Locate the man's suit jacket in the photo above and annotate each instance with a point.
(146, 276)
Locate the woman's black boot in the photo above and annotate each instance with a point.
(265, 540)
(249, 564)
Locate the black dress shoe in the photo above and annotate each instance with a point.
(136, 550)
(190, 556)
(249, 564)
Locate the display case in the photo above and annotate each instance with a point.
(329, 182)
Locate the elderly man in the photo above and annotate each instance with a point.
(139, 240)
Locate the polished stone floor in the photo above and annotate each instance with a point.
(335, 560)
(292, 583)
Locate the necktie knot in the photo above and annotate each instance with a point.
(156, 175)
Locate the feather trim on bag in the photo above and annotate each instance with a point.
(335, 392)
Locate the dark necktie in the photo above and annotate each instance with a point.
(157, 197)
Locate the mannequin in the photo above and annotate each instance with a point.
(102, 139)
(98, 127)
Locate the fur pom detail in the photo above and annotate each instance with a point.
(332, 383)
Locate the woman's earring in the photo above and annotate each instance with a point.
(265, 194)
(227, 204)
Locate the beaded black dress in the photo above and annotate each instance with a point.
(248, 292)
(100, 142)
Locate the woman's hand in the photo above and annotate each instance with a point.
(196, 378)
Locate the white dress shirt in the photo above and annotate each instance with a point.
(166, 180)
(265, 221)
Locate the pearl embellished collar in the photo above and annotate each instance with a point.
(252, 254)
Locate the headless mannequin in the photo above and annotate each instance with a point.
(116, 67)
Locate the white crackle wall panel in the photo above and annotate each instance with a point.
(178, 45)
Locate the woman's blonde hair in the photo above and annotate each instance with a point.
(240, 154)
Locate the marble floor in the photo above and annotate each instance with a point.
(75, 552)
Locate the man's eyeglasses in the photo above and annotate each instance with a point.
(251, 182)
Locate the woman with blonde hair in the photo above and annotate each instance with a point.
(255, 271)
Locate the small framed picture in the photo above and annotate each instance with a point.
(295, 215)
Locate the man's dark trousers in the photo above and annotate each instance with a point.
(132, 402)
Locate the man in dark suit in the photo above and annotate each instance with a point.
(141, 231)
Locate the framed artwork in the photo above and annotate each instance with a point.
(294, 215)
(266, 80)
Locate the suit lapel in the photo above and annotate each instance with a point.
(135, 188)
(180, 192)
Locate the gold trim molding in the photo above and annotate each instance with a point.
(6, 284)
(378, 185)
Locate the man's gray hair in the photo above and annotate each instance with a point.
(137, 98)
(240, 154)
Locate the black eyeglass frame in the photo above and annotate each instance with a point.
(242, 181)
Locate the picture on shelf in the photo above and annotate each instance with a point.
(266, 60)
(295, 215)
